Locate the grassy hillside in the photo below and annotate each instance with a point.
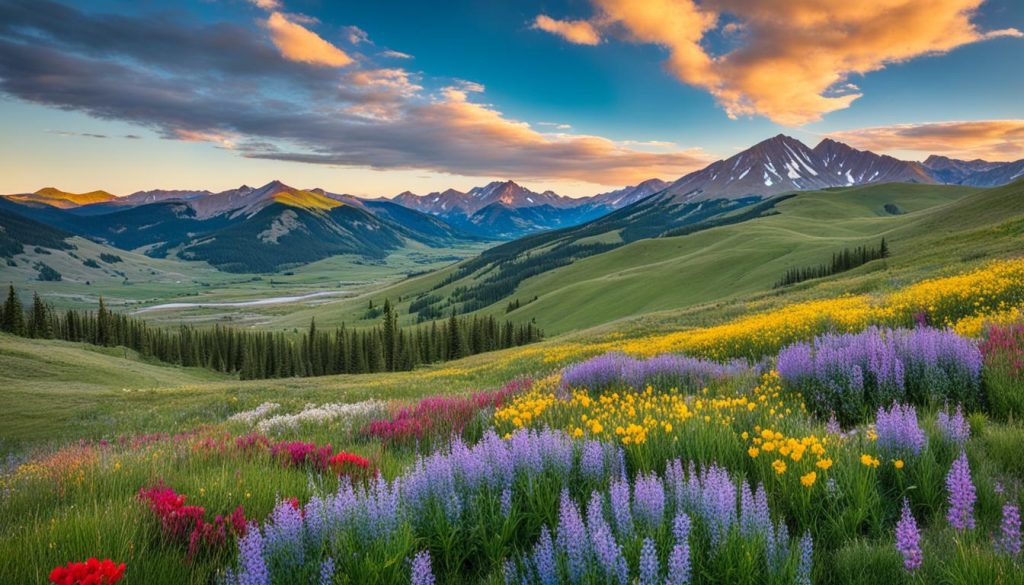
(926, 226)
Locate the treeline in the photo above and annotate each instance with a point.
(504, 274)
(267, 354)
(848, 259)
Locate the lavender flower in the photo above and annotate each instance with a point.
(961, 494)
(679, 559)
(284, 535)
(908, 539)
(1009, 542)
(506, 502)
(803, 571)
(649, 567)
(422, 574)
(848, 373)
(544, 559)
(602, 541)
(621, 509)
(649, 499)
(327, 571)
(253, 567)
(898, 431)
(832, 426)
(572, 536)
(954, 428)
(616, 370)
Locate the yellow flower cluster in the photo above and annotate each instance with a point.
(991, 289)
(975, 325)
(994, 292)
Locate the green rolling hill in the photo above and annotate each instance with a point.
(928, 227)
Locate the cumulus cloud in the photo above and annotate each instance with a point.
(988, 139)
(579, 32)
(298, 43)
(223, 87)
(795, 57)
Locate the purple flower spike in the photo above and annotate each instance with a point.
(961, 494)
(908, 539)
(1009, 542)
(422, 574)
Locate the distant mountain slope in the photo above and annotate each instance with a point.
(251, 229)
(629, 195)
(782, 164)
(505, 210)
(18, 231)
(62, 199)
(999, 175)
(953, 171)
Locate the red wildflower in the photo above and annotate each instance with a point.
(351, 465)
(299, 454)
(91, 572)
(440, 416)
(187, 524)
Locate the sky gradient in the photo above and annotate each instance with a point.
(580, 97)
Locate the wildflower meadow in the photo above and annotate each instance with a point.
(852, 440)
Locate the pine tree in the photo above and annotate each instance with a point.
(13, 314)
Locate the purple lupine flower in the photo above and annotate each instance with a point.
(908, 539)
(544, 559)
(679, 559)
(953, 427)
(961, 494)
(717, 502)
(572, 536)
(621, 509)
(649, 566)
(602, 541)
(832, 426)
(803, 571)
(845, 372)
(898, 431)
(649, 499)
(422, 573)
(326, 571)
(252, 565)
(616, 370)
(284, 540)
(506, 502)
(777, 547)
(1009, 542)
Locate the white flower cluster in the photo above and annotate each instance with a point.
(312, 413)
(251, 416)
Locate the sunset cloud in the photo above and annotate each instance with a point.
(795, 57)
(995, 140)
(267, 4)
(298, 43)
(579, 32)
(383, 118)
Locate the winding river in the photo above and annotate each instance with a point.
(253, 303)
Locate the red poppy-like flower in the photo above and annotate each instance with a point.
(91, 572)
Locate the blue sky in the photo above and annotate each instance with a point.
(214, 93)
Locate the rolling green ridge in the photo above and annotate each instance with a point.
(932, 226)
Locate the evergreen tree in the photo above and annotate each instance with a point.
(13, 314)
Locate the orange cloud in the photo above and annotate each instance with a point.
(298, 43)
(796, 56)
(267, 4)
(994, 140)
(579, 32)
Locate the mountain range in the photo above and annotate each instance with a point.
(260, 229)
